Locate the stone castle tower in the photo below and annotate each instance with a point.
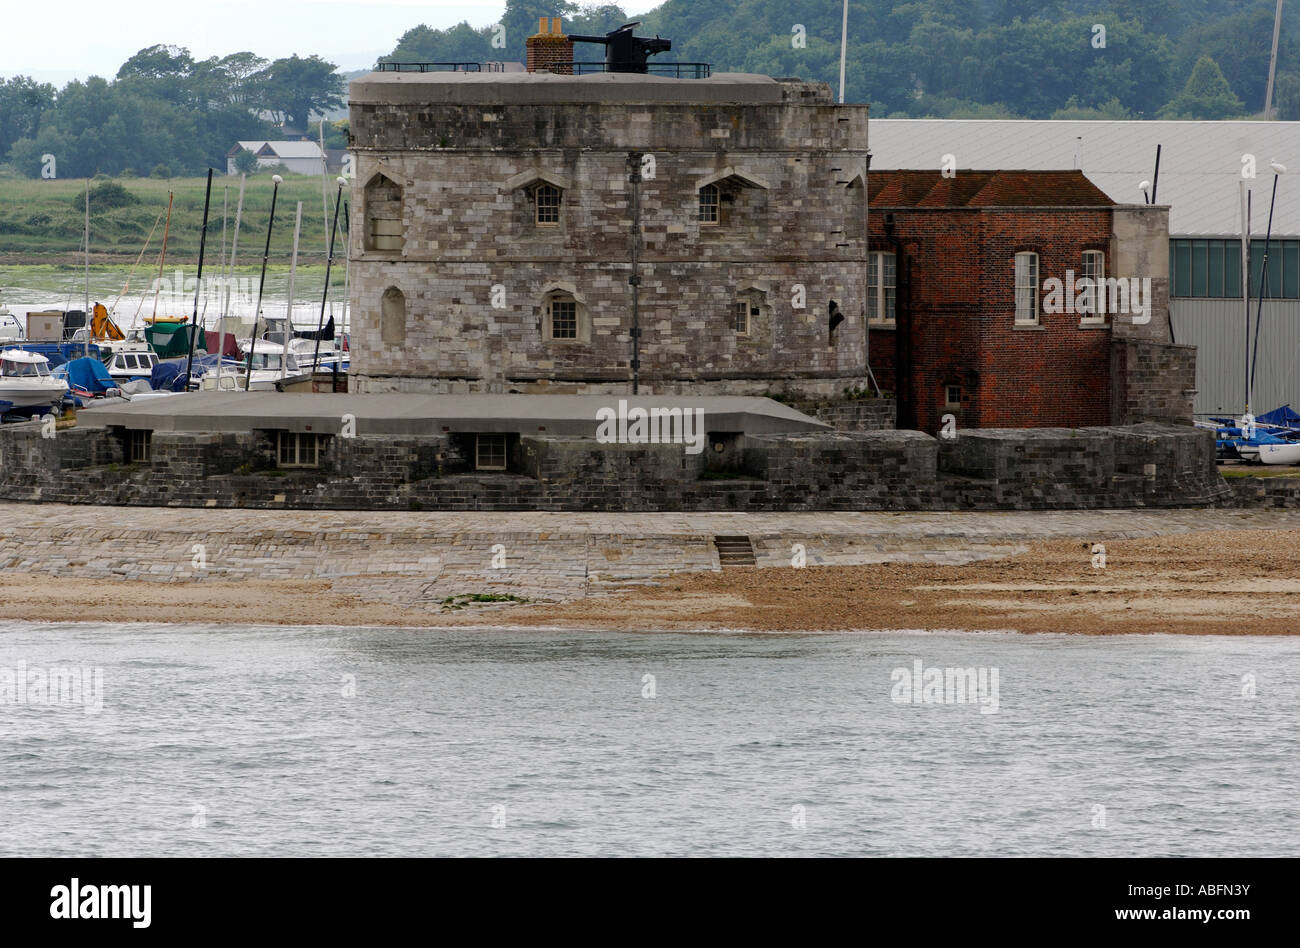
(495, 219)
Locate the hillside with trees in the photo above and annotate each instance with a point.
(954, 58)
(166, 113)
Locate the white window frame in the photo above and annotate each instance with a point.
(947, 396)
(882, 288)
(1090, 316)
(1026, 289)
(491, 441)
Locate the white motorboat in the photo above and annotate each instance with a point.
(11, 330)
(273, 369)
(25, 380)
(131, 361)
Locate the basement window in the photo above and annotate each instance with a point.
(298, 449)
(139, 445)
(490, 452)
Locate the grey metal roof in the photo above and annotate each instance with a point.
(1200, 162)
(413, 414)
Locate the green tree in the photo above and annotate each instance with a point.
(1286, 96)
(1206, 95)
(296, 87)
(22, 100)
(245, 162)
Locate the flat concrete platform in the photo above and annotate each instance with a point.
(407, 414)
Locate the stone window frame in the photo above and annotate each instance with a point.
(726, 182)
(368, 221)
(564, 291)
(1032, 286)
(879, 300)
(1092, 318)
(755, 298)
(531, 182)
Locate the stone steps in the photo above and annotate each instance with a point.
(734, 551)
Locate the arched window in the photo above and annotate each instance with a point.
(384, 215)
(547, 197)
(710, 204)
(392, 317)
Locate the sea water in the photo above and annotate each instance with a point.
(228, 741)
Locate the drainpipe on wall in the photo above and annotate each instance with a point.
(906, 408)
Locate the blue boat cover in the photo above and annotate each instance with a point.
(87, 373)
(1283, 417)
(168, 375)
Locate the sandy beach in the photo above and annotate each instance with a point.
(1237, 582)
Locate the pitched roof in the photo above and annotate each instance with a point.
(1200, 162)
(985, 189)
(280, 149)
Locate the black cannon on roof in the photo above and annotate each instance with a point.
(625, 52)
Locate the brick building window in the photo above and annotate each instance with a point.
(952, 396)
(1094, 269)
(490, 452)
(1027, 289)
(710, 204)
(298, 449)
(547, 199)
(384, 215)
(882, 287)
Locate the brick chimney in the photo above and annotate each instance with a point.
(549, 46)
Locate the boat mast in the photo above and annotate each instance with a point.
(162, 257)
(85, 343)
(293, 274)
(329, 264)
(230, 275)
(257, 313)
(1245, 293)
(198, 282)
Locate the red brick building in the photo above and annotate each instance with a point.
(959, 264)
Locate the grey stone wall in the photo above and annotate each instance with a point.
(1152, 381)
(1147, 465)
(468, 220)
(859, 414)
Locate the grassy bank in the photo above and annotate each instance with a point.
(41, 221)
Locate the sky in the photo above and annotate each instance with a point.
(69, 39)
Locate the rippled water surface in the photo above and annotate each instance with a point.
(300, 742)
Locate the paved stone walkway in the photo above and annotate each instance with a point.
(419, 559)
